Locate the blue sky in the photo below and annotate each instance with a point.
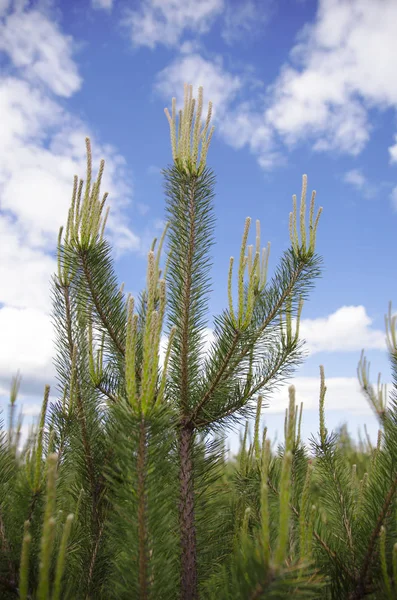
(298, 86)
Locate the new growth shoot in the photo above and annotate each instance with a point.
(185, 145)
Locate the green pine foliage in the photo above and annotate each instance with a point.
(125, 488)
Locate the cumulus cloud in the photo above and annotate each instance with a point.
(27, 345)
(346, 330)
(244, 126)
(339, 69)
(40, 51)
(24, 271)
(42, 148)
(165, 21)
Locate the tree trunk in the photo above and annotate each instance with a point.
(186, 516)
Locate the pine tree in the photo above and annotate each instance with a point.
(251, 351)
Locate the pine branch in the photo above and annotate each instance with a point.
(94, 557)
(106, 322)
(231, 362)
(361, 583)
(322, 543)
(106, 393)
(209, 393)
(74, 349)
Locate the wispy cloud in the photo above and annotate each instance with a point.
(31, 410)
(359, 181)
(393, 160)
(355, 178)
(165, 21)
(102, 4)
(244, 20)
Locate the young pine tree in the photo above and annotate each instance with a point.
(251, 352)
(134, 446)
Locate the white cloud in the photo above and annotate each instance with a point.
(26, 344)
(347, 329)
(356, 178)
(342, 69)
(102, 4)
(165, 21)
(31, 410)
(243, 126)
(42, 148)
(36, 47)
(28, 113)
(189, 47)
(24, 271)
(393, 151)
(308, 105)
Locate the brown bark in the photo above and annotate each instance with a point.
(142, 530)
(186, 516)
